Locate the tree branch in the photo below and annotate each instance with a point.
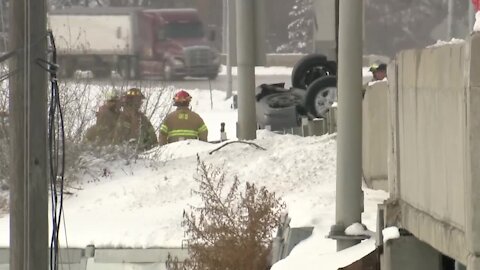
(225, 144)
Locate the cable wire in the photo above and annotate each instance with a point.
(56, 150)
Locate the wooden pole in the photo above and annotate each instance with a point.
(28, 111)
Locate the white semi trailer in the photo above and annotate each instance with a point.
(170, 43)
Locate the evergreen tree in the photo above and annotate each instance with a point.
(300, 30)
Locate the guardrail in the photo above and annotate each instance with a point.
(91, 258)
(315, 127)
(287, 238)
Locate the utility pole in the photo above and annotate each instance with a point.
(28, 130)
(349, 197)
(246, 55)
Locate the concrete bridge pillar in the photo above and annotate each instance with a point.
(407, 252)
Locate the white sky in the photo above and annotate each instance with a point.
(141, 204)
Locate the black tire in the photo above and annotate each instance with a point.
(277, 110)
(302, 73)
(320, 96)
(281, 100)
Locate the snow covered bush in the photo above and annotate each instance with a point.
(233, 228)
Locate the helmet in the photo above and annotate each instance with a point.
(111, 96)
(378, 67)
(134, 92)
(182, 97)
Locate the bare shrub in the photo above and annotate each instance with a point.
(232, 229)
(80, 99)
(79, 102)
(4, 132)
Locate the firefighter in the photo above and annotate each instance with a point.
(379, 71)
(107, 115)
(132, 125)
(183, 123)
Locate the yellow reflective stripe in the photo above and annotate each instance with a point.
(183, 116)
(203, 128)
(182, 132)
(164, 128)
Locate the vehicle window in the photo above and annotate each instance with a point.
(184, 30)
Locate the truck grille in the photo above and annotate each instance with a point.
(198, 56)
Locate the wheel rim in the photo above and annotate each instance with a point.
(325, 99)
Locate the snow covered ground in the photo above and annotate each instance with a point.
(141, 204)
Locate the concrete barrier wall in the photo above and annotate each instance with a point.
(432, 131)
(374, 136)
(430, 135)
(472, 185)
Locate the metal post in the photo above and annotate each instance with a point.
(229, 48)
(450, 20)
(224, 26)
(246, 69)
(28, 111)
(349, 198)
(471, 16)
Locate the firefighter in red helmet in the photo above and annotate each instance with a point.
(183, 123)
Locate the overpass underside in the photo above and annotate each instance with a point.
(433, 157)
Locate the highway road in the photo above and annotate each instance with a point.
(220, 83)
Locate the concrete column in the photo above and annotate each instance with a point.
(407, 252)
(246, 52)
(349, 197)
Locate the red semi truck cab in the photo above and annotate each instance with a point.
(135, 42)
(173, 43)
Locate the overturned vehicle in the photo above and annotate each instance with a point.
(313, 92)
